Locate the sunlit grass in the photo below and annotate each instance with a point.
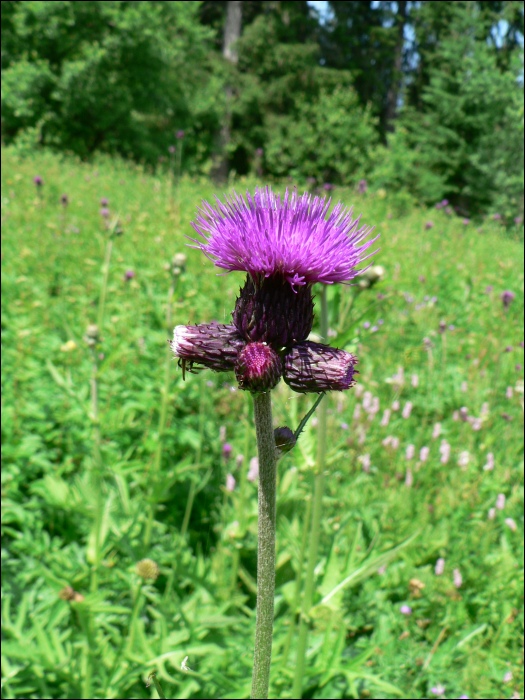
(466, 639)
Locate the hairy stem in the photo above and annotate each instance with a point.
(262, 410)
(316, 526)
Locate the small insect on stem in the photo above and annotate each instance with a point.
(152, 677)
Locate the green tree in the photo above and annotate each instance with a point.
(463, 122)
(114, 76)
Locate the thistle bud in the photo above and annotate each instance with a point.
(211, 345)
(92, 336)
(313, 367)
(178, 264)
(258, 368)
(285, 440)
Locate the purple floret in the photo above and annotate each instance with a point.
(290, 238)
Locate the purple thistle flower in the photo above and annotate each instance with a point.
(366, 325)
(466, 221)
(444, 203)
(289, 239)
(226, 450)
(104, 202)
(172, 149)
(64, 200)
(104, 212)
(38, 181)
(496, 217)
(259, 152)
(429, 224)
(518, 220)
(128, 275)
(285, 247)
(405, 610)
(506, 297)
(180, 134)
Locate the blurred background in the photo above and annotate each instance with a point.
(424, 97)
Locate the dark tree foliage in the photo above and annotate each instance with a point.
(361, 37)
(419, 96)
(114, 76)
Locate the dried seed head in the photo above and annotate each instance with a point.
(147, 569)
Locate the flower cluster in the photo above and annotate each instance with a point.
(284, 246)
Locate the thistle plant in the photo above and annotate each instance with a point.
(285, 246)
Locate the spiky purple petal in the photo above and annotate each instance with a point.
(292, 238)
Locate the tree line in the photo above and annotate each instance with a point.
(420, 97)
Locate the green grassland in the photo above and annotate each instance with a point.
(91, 485)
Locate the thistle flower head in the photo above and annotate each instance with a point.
(284, 246)
(290, 237)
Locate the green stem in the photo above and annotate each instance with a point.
(162, 420)
(102, 300)
(316, 527)
(133, 618)
(262, 411)
(97, 466)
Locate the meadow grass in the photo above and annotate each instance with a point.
(110, 458)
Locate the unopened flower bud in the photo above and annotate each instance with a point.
(211, 345)
(178, 264)
(258, 368)
(92, 336)
(285, 440)
(313, 367)
(147, 568)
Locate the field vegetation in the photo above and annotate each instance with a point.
(129, 491)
